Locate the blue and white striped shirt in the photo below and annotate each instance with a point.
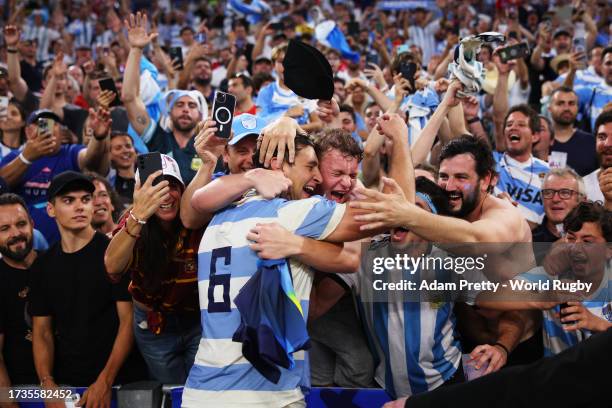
(555, 337)
(600, 95)
(523, 182)
(416, 342)
(221, 376)
(43, 36)
(82, 31)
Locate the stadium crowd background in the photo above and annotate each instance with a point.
(100, 274)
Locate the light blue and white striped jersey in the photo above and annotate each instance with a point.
(82, 31)
(44, 36)
(523, 182)
(555, 338)
(601, 96)
(275, 101)
(584, 77)
(424, 38)
(221, 376)
(416, 342)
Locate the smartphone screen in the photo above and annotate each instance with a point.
(108, 84)
(147, 164)
(223, 113)
(176, 53)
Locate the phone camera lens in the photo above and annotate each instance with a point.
(223, 115)
(221, 97)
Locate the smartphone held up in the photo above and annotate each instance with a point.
(223, 113)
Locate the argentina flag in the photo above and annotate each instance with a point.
(328, 34)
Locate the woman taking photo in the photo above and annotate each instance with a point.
(160, 254)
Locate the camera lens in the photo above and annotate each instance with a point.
(221, 97)
(222, 115)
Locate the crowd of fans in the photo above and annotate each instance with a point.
(109, 279)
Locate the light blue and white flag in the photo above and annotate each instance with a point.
(253, 11)
(328, 34)
(406, 5)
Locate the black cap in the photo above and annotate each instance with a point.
(69, 181)
(43, 113)
(563, 30)
(307, 72)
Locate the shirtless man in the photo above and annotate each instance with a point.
(467, 175)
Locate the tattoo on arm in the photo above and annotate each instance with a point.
(142, 120)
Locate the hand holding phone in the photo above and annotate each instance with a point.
(45, 126)
(512, 52)
(108, 84)
(223, 113)
(176, 53)
(280, 26)
(408, 70)
(561, 314)
(147, 164)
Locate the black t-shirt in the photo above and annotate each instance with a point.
(16, 324)
(540, 236)
(73, 289)
(580, 149)
(187, 158)
(32, 75)
(74, 119)
(125, 189)
(537, 78)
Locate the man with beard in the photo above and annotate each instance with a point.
(520, 173)
(16, 240)
(241, 86)
(572, 147)
(197, 75)
(478, 217)
(185, 108)
(599, 183)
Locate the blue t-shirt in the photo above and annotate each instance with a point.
(35, 182)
